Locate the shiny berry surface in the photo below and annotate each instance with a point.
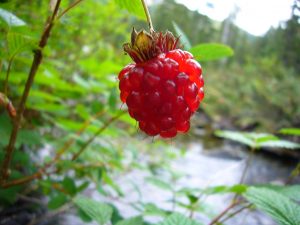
(163, 93)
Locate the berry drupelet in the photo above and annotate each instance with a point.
(163, 87)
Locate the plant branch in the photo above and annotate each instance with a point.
(63, 149)
(67, 9)
(38, 55)
(235, 212)
(148, 16)
(89, 141)
(218, 217)
(7, 75)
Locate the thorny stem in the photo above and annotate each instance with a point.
(38, 56)
(148, 16)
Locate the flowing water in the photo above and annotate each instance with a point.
(206, 163)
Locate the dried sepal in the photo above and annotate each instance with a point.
(145, 46)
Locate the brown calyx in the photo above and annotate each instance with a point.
(145, 46)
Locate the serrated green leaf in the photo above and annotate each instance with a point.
(278, 206)
(290, 131)
(98, 211)
(211, 51)
(11, 19)
(178, 219)
(17, 43)
(291, 191)
(183, 37)
(138, 220)
(57, 201)
(133, 6)
(159, 183)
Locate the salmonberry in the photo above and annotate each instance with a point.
(164, 87)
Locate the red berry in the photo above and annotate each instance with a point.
(161, 96)
(164, 87)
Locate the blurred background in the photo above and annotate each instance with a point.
(76, 93)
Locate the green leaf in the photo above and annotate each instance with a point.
(98, 211)
(112, 100)
(211, 51)
(69, 185)
(291, 191)
(183, 37)
(159, 183)
(278, 206)
(57, 201)
(257, 140)
(132, 221)
(152, 209)
(280, 144)
(17, 43)
(178, 219)
(239, 189)
(235, 136)
(290, 131)
(133, 6)
(11, 19)
(83, 216)
(9, 195)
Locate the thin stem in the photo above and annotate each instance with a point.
(60, 152)
(148, 16)
(67, 9)
(244, 173)
(38, 55)
(89, 141)
(235, 212)
(218, 217)
(248, 162)
(295, 173)
(7, 76)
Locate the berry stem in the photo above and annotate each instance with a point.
(148, 16)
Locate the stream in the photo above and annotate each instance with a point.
(203, 165)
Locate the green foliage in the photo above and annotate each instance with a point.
(57, 201)
(178, 219)
(133, 6)
(257, 140)
(279, 207)
(98, 211)
(132, 221)
(17, 43)
(211, 51)
(291, 191)
(75, 93)
(290, 131)
(159, 183)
